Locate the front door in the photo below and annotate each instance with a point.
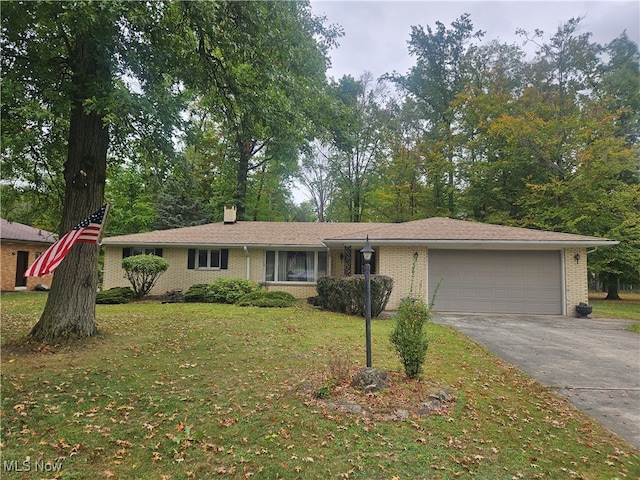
(21, 266)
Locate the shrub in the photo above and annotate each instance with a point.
(346, 294)
(115, 295)
(409, 338)
(143, 271)
(267, 299)
(196, 293)
(229, 290)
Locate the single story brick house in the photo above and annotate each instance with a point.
(21, 245)
(478, 267)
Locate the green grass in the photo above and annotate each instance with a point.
(180, 391)
(628, 307)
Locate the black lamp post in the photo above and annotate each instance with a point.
(367, 252)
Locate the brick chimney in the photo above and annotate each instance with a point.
(230, 214)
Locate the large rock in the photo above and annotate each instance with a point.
(370, 380)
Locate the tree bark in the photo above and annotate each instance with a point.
(70, 308)
(612, 291)
(245, 148)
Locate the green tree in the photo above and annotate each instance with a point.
(493, 175)
(574, 130)
(620, 87)
(401, 193)
(441, 72)
(131, 199)
(264, 74)
(316, 178)
(360, 137)
(109, 71)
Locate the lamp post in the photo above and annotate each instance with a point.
(367, 252)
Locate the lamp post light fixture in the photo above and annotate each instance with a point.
(367, 252)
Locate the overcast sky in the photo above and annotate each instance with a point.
(376, 32)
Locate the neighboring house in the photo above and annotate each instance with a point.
(21, 245)
(476, 267)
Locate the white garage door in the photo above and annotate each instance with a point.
(496, 281)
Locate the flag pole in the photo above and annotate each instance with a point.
(104, 223)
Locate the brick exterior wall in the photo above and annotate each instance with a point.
(575, 275)
(179, 277)
(397, 262)
(8, 264)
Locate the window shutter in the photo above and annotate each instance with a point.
(224, 258)
(191, 259)
(158, 252)
(126, 252)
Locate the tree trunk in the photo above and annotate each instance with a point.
(70, 308)
(242, 175)
(612, 291)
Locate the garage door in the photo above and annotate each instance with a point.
(496, 281)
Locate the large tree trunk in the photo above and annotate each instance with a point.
(242, 174)
(612, 291)
(70, 308)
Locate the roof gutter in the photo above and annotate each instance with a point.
(447, 243)
(478, 243)
(219, 245)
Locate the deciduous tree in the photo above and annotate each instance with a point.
(108, 70)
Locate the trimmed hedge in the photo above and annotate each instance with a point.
(115, 295)
(267, 299)
(196, 294)
(229, 290)
(222, 290)
(346, 294)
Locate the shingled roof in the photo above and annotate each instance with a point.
(25, 233)
(434, 230)
(448, 230)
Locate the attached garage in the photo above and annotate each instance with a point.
(506, 281)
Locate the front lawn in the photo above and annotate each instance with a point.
(174, 391)
(627, 307)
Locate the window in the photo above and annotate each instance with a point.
(209, 259)
(129, 252)
(295, 266)
(359, 267)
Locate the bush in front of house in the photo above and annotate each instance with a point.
(267, 299)
(346, 294)
(196, 293)
(115, 295)
(229, 290)
(222, 290)
(409, 337)
(143, 271)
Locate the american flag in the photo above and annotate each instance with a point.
(87, 231)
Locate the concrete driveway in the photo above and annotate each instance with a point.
(594, 363)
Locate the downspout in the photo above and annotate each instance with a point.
(328, 261)
(563, 281)
(246, 254)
